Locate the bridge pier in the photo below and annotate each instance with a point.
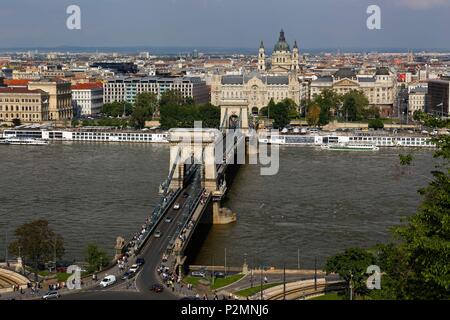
(222, 215)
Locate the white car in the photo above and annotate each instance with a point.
(134, 268)
(108, 281)
(176, 206)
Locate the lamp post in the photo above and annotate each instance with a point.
(315, 274)
(284, 282)
(6, 244)
(225, 263)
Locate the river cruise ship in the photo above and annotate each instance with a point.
(379, 141)
(89, 135)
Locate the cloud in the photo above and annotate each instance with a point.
(423, 4)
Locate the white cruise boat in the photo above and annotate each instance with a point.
(25, 141)
(350, 147)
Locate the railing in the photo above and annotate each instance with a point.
(166, 184)
(157, 214)
(192, 205)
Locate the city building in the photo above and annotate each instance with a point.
(439, 96)
(283, 59)
(29, 106)
(255, 90)
(126, 88)
(87, 98)
(117, 67)
(60, 98)
(379, 86)
(417, 100)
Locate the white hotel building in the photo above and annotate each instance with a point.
(87, 98)
(126, 88)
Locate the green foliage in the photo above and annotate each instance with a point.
(280, 115)
(106, 122)
(280, 112)
(405, 160)
(173, 98)
(75, 123)
(16, 122)
(351, 266)
(184, 116)
(430, 121)
(416, 266)
(144, 107)
(117, 109)
(37, 243)
(264, 112)
(354, 104)
(376, 124)
(329, 102)
(96, 258)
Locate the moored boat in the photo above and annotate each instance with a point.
(25, 141)
(350, 147)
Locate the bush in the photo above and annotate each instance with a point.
(376, 124)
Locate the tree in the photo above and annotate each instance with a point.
(354, 104)
(96, 258)
(173, 97)
(424, 241)
(329, 102)
(292, 108)
(313, 115)
(376, 124)
(351, 266)
(146, 104)
(415, 265)
(16, 122)
(37, 244)
(75, 123)
(209, 115)
(117, 109)
(280, 115)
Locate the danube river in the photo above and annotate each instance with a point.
(319, 203)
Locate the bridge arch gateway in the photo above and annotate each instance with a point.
(193, 147)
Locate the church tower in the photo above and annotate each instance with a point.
(262, 58)
(295, 57)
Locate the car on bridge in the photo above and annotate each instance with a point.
(158, 234)
(169, 219)
(157, 288)
(176, 206)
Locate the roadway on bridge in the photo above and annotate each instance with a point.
(152, 253)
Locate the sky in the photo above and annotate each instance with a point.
(225, 23)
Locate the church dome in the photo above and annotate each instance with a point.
(282, 45)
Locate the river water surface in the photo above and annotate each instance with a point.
(319, 203)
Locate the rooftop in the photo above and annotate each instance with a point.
(20, 90)
(87, 86)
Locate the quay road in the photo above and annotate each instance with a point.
(254, 280)
(152, 252)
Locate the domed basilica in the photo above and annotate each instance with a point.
(283, 59)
